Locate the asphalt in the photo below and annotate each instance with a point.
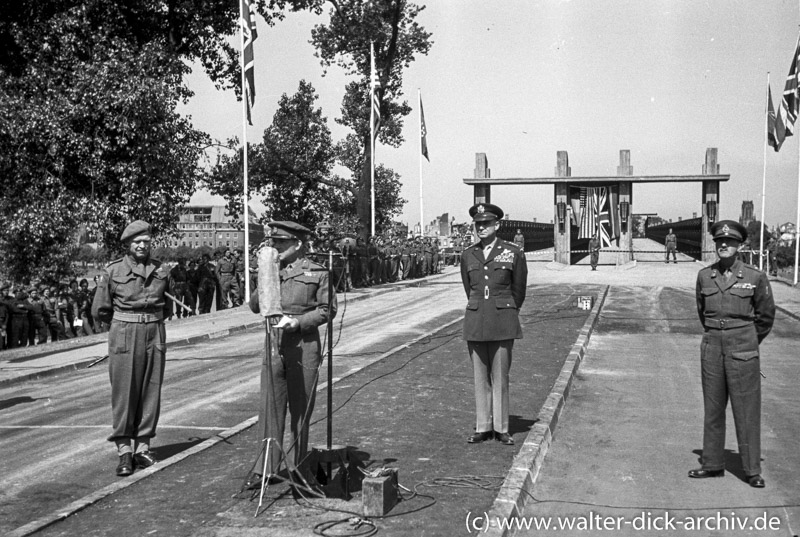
(217, 466)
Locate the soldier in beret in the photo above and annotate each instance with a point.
(736, 309)
(130, 296)
(304, 301)
(495, 275)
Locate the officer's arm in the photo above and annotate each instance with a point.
(764, 307)
(519, 279)
(699, 299)
(102, 308)
(319, 315)
(465, 274)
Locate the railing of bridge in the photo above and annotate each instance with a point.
(688, 232)
(538, 236)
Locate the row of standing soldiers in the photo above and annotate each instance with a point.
(382, 260)
(31, 314)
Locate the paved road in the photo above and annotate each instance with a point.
(52, 430)
(633, 428)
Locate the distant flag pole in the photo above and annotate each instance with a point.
(247, 36)
(770, 122)
(374, 125)
(423, 152)
(792, 83)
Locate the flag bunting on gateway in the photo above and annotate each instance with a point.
(597, 212)
(249, 34)
(373, 93)
(423, 131)
(787, 114)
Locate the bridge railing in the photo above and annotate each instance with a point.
(538, 236)
(688, 232)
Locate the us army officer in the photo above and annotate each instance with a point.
(494, 274)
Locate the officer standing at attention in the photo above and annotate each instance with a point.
(671, 246)
(594, 251)
(736, 308)
(304, 301)
(519, 239)
(130, 296)
(495, 275)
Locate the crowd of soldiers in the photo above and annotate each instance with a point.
(35, 313)
(384, 259)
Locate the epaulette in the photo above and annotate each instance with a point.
(514, 246)
(115, 262)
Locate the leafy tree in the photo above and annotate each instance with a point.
(292, 168)
(345, 41)
(89, 133)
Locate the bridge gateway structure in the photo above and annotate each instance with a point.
(563, 198)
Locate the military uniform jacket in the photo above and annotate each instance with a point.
(671, 240)
(495, 288)
(130, 287)
(226, 267)
(743, 299)
(594, 245)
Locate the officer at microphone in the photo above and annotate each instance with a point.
(295, 371)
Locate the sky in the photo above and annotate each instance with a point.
(520, 80)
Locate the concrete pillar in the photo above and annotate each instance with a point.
(561, 231)
(710, 200)
(625, 254)
(483, 193)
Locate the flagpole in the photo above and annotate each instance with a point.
(764, 181)
(372, 137)
(244, 162)
(421, 212)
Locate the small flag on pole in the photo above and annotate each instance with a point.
(373, 92)
(775, 139)
(249, 34)
(423, 131)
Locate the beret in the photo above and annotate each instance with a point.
(729, 229)
(481, 212)
(138, 227)
(287, 230)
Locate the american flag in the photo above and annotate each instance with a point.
(249, 34)
(375, 100)
(787, 114)
(588, 213)
(598, 214)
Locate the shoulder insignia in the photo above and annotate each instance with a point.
(115, 261)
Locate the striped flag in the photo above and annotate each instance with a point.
(249, 34)
(423, 131)
(375, 100)
(787, 114)
(588, 213)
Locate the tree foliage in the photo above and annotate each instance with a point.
(89, 134)
(293, 168)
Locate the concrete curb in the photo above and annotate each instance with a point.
(517, 488)
(98, 339)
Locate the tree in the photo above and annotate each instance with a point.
(391, 25)
(293, 165)
(89, 133)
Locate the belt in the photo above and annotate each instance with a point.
(724, 324)
(138, 317)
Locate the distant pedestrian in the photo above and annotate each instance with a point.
(494, 274)
(594, 251)
(130, 296)
(37, 318)
(671, 246)
(736, 309)
(519, 239)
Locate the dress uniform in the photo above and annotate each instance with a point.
(130, 296)
(494, 274)
(294, 373)
(737, 309)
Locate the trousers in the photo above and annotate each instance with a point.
(491, 361)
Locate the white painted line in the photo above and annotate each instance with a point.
(160, 426)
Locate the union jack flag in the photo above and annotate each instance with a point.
(787, 114)
(249, 34)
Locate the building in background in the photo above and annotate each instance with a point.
(208, 225)
(747, 213)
